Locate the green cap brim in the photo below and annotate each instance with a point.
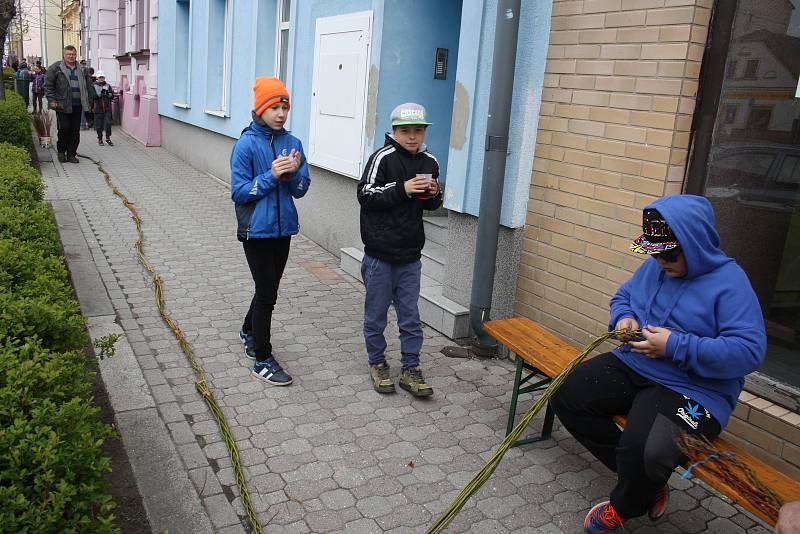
(410, 123)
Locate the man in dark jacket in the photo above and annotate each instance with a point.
(66, 89)
(399, 182)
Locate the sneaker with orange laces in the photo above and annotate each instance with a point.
(602, 519)
(659, 504)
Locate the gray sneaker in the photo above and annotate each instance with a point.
(412, 381)
(381, 381)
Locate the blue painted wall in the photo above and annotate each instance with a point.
(465, 165)
(412, 32)
(405, 36)
(253, 22)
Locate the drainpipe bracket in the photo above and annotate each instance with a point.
(496, 143)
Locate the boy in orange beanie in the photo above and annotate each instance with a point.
(268, 171)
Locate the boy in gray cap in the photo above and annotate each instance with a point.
(399, 182)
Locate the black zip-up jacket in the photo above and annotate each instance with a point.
(391, 222)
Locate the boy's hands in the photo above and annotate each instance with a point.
(434, 187)
(655, 342)
(416, 185)
(284, 166)
(628, 323)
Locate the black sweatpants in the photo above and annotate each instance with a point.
(69, 131)
(267, 260)
(646, 452)
(102, 123)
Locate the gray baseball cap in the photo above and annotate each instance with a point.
(409, 113)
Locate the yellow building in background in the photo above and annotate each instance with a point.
(71, 21)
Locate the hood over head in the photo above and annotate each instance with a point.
(692, 220)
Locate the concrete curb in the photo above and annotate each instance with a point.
(169, 497)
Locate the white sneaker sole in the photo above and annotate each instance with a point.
(268, 381)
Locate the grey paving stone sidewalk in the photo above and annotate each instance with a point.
(327, 454)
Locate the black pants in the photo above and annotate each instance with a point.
(102, 123)
(37, 98)
(267, 260)
(645, 453)
(69, 131)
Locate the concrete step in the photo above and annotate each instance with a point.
(433, 259)
(437, 311)
(442, 314)
(435, 230)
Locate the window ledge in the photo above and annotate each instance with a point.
(183, 105)
(216, 112)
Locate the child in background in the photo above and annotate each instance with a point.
(102, 95)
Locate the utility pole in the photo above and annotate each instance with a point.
(21, 51)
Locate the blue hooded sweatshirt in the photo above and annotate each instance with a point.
(718, 333)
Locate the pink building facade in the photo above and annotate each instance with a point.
(122, 40)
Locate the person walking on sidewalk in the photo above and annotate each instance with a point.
(102, 97)
(268, 171)
(66, 87)
(702, 331)
(399, 182)
(37, 88)
(23, 81)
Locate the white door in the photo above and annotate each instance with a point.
(339, 92)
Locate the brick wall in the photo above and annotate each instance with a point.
(767, 431)
(617, 106)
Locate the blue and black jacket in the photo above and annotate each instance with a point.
(264, 205)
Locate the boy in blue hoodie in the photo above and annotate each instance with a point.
(702, 331)
(268, 171)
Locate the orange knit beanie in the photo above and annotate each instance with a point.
(268, 91)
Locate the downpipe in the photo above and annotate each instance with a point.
(494, 168)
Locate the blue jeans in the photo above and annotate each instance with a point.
(389, 283)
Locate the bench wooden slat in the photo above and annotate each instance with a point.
(550, 354)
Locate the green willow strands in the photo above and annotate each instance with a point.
(483, 475)
(201, 384)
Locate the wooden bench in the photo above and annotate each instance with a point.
(542, 355)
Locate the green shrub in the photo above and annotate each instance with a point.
(52, 463)
(51, 459)
(15, 125)
(8, 78)
(10, 154)
(28, 223)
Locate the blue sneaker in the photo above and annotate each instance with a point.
(247, 340)
(602, 519)
(270, 372)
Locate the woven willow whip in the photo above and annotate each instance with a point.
(201, 384)
(725, 466)
(483, 475)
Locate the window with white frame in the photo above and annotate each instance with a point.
(183, 53)
(218, 66)
(130, 25)
(282, 39)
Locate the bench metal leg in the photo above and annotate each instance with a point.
(512, 412)
(519, 387)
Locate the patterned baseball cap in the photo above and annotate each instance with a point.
(658, 237)
(409, 113)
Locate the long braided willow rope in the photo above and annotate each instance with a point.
(486, 471)
(201, 384)
(725, 466)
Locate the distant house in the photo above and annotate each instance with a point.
(121, 40)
